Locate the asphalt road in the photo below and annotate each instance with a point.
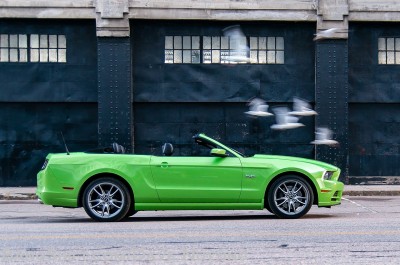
(363, 230)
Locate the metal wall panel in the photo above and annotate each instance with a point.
(172, 102)
(115, 94)
(374, 108)
(331, 100)
(39, 100)
(29, 131)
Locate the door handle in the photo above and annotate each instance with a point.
(164, 164)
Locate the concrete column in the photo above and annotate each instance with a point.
(332, 82)
(115, 112)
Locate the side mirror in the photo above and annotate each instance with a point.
(218, 152)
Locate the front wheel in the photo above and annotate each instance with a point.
(106, 200)
(290, 197)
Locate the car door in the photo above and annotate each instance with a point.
(197, 179)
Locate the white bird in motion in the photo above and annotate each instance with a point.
(258, 107)
(284, 120)
(332, 33)
(302, 108)
(238, 49)
(324, 136)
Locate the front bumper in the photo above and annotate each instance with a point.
(330, 193)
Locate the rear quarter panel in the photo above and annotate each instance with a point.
(77, 168)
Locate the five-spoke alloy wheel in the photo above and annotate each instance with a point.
(106, 199)
(290, 197)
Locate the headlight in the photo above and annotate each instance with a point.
(45, 164)
(328, 175)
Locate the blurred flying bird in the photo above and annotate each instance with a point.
(284, 120)
(302, 108)
(332, 33)
(238, 49)
(324, 136)
(258, 107)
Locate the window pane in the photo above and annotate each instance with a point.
(224, 43)
(34, 41)
(271, 43)
(280, 57)
(397, 57)
(271, 57)
(253, 43)
(206, 56)
(206, 42)
(196, 42)
(262, 57)
(215, 43)
(43, 41)
(382, 44)
(23, 41)
(4, 40)
(34, 55)
(23, 55)
(195, 56)
(397, 44)
(279, 43)
(53, 41)
(62, 55)
(168, 42)
(225, 56)
(13, 41)
(169, 56)
(177, 56)
(390, 44)
(177, 42)
(3, 55)
(215, 56)
(243, 43)
(262, 43)
(52, 55)
(390, 57)
(44, 55)
(253, 57)
(187, 42)
(13, 55)
(187, 56)
(62, 42)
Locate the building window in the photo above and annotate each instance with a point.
(224, 50)
(182, 49)
(41, 48)
(267, 50)
(388, 50)
(13, 48)
(48, 48)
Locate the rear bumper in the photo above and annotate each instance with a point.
(51, 192)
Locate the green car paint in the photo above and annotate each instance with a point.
(185, 183)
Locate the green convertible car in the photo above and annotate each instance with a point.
(111, 185)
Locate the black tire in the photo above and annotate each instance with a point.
(131, 212)
(290, 197)
(106, 200)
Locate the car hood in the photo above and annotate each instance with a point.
(298, 159)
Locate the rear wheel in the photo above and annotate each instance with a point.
(106, 200)
(290, 197)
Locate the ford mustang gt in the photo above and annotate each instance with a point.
(111, 185)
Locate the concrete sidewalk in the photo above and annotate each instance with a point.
(28, 193)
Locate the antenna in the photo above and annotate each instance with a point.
(65, 144)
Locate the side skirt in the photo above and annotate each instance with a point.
(198, 206)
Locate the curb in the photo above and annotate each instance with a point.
(19, 196)
(371, 193)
